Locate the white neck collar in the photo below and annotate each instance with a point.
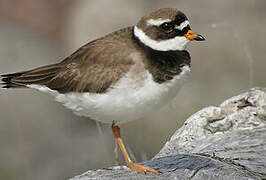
(174, 44)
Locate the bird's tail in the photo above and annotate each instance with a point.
(6, 80)
(38, 76)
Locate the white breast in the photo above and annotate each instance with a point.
(128, 99)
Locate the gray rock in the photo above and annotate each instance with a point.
(225, 142)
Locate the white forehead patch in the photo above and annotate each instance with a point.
(182, 25)
(174, 44)
(157, 22)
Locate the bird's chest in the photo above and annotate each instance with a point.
(132, 99)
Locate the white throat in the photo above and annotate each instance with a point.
(174, 44)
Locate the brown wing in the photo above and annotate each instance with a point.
(92, 68)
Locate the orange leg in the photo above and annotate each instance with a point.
(133, 166)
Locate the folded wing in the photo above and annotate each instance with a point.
(93, 68)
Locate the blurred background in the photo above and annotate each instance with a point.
(39, 139)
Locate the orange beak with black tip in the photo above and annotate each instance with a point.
(190, 35)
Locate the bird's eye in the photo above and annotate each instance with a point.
(168, 27)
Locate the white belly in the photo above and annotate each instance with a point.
(128, 100)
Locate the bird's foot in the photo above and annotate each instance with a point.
(133, 166)
(142, 169)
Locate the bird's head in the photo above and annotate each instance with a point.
(166, 29)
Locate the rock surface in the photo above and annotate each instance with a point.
(225, 142)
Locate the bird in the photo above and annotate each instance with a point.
(121, 77)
